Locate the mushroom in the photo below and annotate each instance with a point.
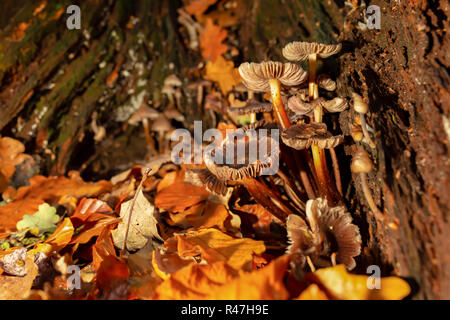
(362, 164)
(270, 75)
(304, 135)
(362, 108)
(252, 106)
(172, 113)
(330, 233)
(160, 126)
(199, 86)
(170, 88)
(300, 107)
(356, 132)
(324, 81)
(99, 131)
(144, 114)
(204, 177)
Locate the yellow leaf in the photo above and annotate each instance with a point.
(224, 73)
(346, 286)
(313, 292)
(214, 246)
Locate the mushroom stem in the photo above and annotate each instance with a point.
(160, 141)
(365, 132)
(312, 74)
(275, 91)
(251, 95)
(323, 181)
(337, 173)
(148, 138)
(378, 214)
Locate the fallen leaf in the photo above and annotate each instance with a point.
(12, 212)
(345, 286)
(313, 292)
(224, 73)
(62, 235)
(11, 154)
(262, 225)
(211, 41)
(44, 220)
(103, 247)
(180, 196)
(218, 281)
(143, 224)
(16, 288)
(165, 264)
(198, 7)
(214, 245)
(201, 216)
(170, 178)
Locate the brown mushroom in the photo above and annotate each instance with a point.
(170, 88)
(160, 126)
(145, 114)
(324, 81)
(270, 75)
(362, 164)
(330, 233)
(200, 85)
(252, 106)
(204, 177)
(362, 108)
(304, 135)
(172, 113)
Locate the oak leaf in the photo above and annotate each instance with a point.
(211, 41)
(345, 286)
(44, 220)
(224, 73)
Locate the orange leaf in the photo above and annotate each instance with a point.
(346, 286)
(214, 245)
(180, 196)
(62, 235)
(211, 41)
(224, 73)
(197, 7)
(11, 154)
(200, 216)
(103, 247)
(170, 178)
(220, 282)
(168, 263)
(313, 292)
(13, 212)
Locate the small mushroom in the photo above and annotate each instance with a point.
(270, 75)
(144, 114)
(356, 133)
(300, 51)
(99, 131)
(330, 233)
(172, 113)
(298, 106)
(362, 108)
(304, 135)
(324, 81)
(252, 106)
(362, 164)
(160, 126)
(200, 85)
(171, 83)
(204, 177)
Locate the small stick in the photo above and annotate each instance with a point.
(310, 263)
(125, 238)
(337, 173)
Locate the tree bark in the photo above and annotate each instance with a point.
(52, 80)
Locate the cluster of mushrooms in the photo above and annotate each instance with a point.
(319, 228)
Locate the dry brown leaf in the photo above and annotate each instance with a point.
(201, 216)
(219, 281)
(143, 224)
(213, 246)
(180, 196)
(16, 288)
(62, 235)
(211, 41)
(224, 73)
(345, 286)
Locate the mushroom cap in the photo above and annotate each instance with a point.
(252, 105)
(161, 124)
(172, 113)
(244, 166)
(144, 112)
(203, 177)
(173, 81)
(304, 135)
(299, 235)
(299, 51)
(361, 162)
(358, 104)
(324, 81)
(256, 76)
(300, 107)
(333, 227)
